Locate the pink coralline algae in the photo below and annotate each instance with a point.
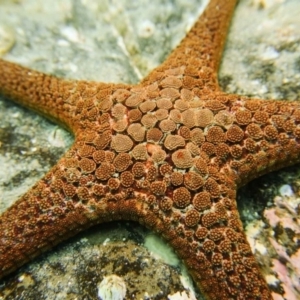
(284, 237)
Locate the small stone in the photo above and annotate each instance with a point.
(286, 190)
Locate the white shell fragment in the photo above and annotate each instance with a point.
(112, 287)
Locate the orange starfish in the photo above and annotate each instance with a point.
(169, 153)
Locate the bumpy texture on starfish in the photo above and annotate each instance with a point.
(169, 153)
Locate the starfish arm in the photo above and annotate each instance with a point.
(270, 132)
(76, 194)
(64, 202)
(199, 53)
(218, 255)
(37, 91)
(57, 99)
(40, 219)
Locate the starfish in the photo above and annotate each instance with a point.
(169, 153)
